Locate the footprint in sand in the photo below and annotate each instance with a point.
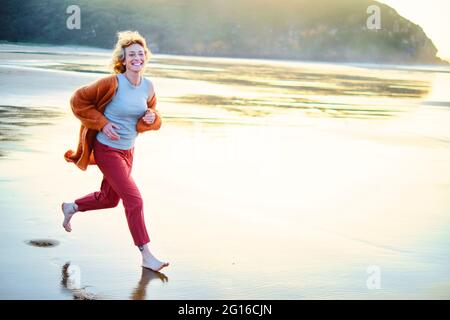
(42, 243)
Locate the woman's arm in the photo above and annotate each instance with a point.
(84, 107)
(141, 126)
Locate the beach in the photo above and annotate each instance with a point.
(267, 180)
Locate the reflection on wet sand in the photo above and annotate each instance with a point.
(70, 281)
(258, 107)
(13, 119)
(140, 292)
(341, 93)
(280, 78)
(317, 89)
(324, 82)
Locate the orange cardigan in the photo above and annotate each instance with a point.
(88, 104)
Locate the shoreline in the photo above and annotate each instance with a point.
(107, 52)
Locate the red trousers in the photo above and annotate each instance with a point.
(117, 183)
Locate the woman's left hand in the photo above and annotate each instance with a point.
(149, 117)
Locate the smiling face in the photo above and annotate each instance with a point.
(134, 58)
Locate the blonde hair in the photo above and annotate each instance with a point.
(126, 39)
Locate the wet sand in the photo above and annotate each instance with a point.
(249, 202)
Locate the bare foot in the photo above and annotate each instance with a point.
(68, 209)
(153, 264)
(149, 261)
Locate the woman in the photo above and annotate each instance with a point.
(113, 111)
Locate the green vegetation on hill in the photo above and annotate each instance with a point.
(320, 30)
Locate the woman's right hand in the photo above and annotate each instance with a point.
(109, 131)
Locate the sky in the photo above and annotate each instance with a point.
(432, 15)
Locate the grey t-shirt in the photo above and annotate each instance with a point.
(126, 107)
